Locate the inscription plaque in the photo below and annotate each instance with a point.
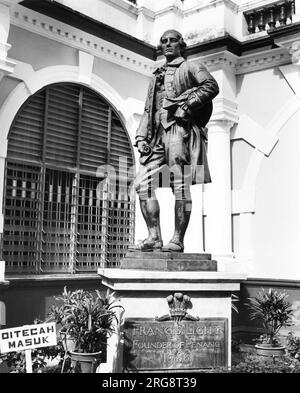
(183, 346)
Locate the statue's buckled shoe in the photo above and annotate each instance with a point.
(173, 246)
(146, 246)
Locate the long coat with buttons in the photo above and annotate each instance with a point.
(196, 87)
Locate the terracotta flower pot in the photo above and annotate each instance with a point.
(269, 350)
(85, 362)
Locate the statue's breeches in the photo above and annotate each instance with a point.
(168, 166)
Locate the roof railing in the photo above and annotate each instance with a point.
(276, 14)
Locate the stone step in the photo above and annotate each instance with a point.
(166, 264)
(167, 255)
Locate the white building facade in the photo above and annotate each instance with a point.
(101, 54)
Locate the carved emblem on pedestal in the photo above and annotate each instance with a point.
(178, 306)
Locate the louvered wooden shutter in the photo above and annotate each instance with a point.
(121, 154)
(26, 135)
(94, 132)
(62, 125)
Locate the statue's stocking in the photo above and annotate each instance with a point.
(183, 210)
(150, 211)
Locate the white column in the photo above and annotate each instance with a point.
(296, 17)
(144, 23)
(6, 66)
(218, 229)
(4, 28)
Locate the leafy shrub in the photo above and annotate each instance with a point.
(87, 318)
(273, 310)
(293, 345)
(258, 364)
(40, 358)
(254, 364)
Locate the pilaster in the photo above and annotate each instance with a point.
(6, 66)
(218, 204)
(218, 229)
(145, 19)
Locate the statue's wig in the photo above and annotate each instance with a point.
(179, 37)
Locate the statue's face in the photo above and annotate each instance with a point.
(170, 46)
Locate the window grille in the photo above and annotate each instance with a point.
(62, 213)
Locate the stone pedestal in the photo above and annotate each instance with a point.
(168, 261)
(143, 295)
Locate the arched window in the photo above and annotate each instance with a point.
(61, 212)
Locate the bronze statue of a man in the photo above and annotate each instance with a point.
(172, 136)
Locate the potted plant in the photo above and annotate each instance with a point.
(275, 312)
(86, 321)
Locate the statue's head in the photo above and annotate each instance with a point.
(172, 44)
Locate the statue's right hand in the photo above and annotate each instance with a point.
(143, 146)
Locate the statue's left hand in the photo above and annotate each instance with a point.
(181, 116)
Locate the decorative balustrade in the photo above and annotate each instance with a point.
(269, 16)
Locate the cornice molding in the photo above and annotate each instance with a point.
(75, 19)
(42, 25)
(262, 60)
(219, 60)
(219, 53)
(244, 64)
(72, 18)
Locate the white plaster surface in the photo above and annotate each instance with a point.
(277, 218)
(85, 67)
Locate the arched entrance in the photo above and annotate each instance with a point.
(61, 213)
